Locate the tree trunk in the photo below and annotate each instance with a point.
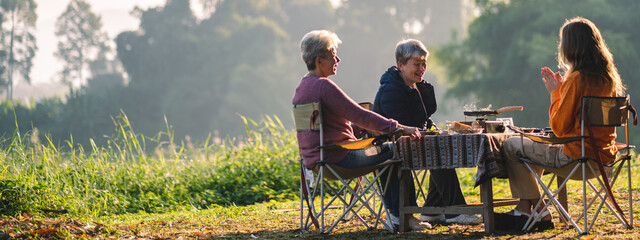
(11, 60)
(81, 67)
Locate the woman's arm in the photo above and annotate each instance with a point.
(335, 99)
(565, 106)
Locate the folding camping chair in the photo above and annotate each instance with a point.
(358, 188)
(595, 111)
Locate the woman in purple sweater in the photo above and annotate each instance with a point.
(342, 117)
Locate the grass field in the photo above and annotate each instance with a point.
(155, 187)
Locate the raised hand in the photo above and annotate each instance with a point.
(552, 81)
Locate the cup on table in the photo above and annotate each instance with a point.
(506, 122)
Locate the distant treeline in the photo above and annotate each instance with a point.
(198, 75)
(201, 75)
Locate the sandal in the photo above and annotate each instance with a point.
(518, 213)
(544, 213)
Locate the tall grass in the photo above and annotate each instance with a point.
(135, 173)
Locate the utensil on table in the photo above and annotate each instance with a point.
(479, 113)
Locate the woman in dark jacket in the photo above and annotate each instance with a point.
(408, 99)
(403, 103)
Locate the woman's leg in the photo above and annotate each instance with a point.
(362, 158)
(522, 182)
(367, 157)
(444, 189)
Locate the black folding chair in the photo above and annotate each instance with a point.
(358, 188)
(595, 111)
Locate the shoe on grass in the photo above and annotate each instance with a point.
(432, 219)
(414, 223)
(465, 219)
(417, 225)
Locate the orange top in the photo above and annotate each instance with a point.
(564, 118)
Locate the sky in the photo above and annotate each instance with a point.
(115, 19)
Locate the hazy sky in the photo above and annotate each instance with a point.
(115, 19)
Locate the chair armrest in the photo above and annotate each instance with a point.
(548, 140)
(364, 143)
(355, 145)
(623, 146)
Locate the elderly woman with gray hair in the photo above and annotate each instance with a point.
(405, 97)
(342, 117)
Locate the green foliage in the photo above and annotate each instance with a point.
(14, 199)
(80, 39)
(135, 173)
(15, 116)
(18, 43)
(499, 61)
(201, 74)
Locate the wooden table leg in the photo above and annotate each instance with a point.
(486, 195)
(405, 177)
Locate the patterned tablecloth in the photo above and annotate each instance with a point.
(454, 151)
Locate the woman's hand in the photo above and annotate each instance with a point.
(552, 81)
(413, 132)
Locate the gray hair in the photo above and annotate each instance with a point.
(406, 49)
(317, 43)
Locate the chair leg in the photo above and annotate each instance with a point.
(349, 197)
(598, 195)
(386, 224)
(309, 216)
(629, 191)
(553, 199)
(584, 195)
(359, 198)
(322, 208)
(562, 197)
(532, 220)
(302, 182)
(618, 215)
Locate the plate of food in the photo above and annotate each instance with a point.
(428, 133)
(462, 128)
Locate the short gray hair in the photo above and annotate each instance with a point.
(317, 43)
(408, 48)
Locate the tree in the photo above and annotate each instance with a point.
(499, 62)
(18, 42)
(263, 64)
(370, 30)
(106, 73)
(161, 58)
(201, 75)
(80, 40)
(244, 59)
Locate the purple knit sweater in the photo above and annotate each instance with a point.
(339, 114)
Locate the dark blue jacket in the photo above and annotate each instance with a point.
(398, 101)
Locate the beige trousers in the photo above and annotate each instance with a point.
(545, 157)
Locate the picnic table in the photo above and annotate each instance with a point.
(453, 151)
